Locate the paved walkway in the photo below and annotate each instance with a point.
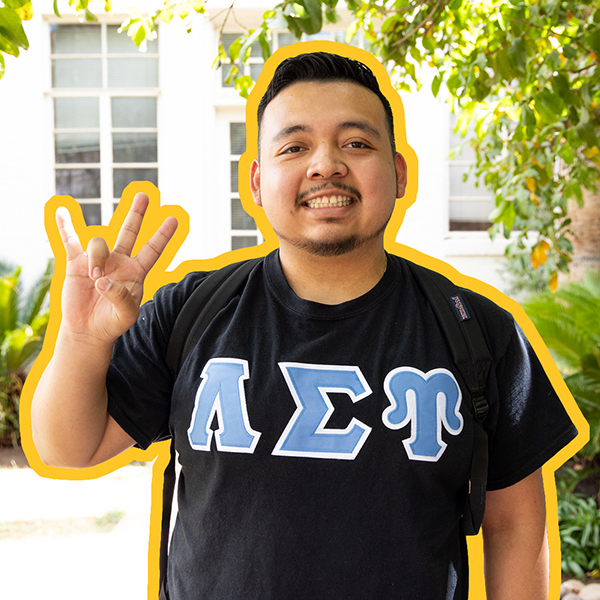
(52, 547)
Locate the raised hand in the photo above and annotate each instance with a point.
(103, 289)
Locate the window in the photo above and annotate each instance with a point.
(243, 227)
(105, 115)
(470, 205)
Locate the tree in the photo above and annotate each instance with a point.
(525, 72)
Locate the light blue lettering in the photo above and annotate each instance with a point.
(429, 402)
(222, 393)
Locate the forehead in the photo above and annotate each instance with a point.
(318, 104)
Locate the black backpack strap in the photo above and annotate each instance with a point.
(199, 309)
(472, 356)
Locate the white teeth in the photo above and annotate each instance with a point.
(329, 201)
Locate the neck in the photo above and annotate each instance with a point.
(333, 279)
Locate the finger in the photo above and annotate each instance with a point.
(67, 232)
(125, 305)
(131, 226)
(152, 250)
(97, 252)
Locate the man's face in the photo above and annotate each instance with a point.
(327, 177)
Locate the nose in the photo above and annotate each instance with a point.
(326, 162)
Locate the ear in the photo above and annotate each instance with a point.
(255, 182)
(401, 175)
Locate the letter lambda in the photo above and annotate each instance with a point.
(306, 433)
(426, 401)
(222, 393)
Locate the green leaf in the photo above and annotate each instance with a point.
(518, 55)
(573, 190)
(435, 85)
(245, 49)
(8, 47)
(332, 15)
(593, 39)
(549, 106)
(265, 48)
(166, 14)
(140, 36)
(1, 65)
(183, 9)
(234, 48)
(12, 28)
(314, 23)
(243, 84)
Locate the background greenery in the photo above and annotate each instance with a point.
(23, 322)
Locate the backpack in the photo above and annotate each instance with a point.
(459, 326)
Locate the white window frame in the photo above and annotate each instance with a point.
(107, 201)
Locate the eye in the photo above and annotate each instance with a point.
(357, 144)
(292, 150)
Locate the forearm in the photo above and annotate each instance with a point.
(69, 410)
(515, 542)
(516, 564)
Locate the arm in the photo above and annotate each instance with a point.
(515, 541)
(101, 296)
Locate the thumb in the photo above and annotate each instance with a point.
(125, 305)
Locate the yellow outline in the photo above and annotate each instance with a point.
(159, 276)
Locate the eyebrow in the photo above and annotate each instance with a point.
(361, 125)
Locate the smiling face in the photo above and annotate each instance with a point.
(327, 177)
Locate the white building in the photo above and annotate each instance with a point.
(83, 113)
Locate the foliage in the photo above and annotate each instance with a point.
(579, 528)
(23, 321)
(525, 71)
(569, 323)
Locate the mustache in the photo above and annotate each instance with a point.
(302, 196)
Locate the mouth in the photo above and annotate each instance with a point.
(334, 201)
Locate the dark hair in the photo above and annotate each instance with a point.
(324, 67)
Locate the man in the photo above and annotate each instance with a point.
(320, 423)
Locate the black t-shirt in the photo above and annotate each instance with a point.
(326, 450)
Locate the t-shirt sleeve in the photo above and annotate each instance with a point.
(139, 383)
(530, 425)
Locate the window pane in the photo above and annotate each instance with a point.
(133, 112)
(237, 138)
(322, 35)
(240, 219)
(76, 113)
(75, 39)
(134, 147)
(123, 177)
(243, 241)
(79, 183)
(132, 72)
(285, 39)
(466, 210)
(255, 70)
(76, 73)
(92, 214)
(234, 175)
(77, 147)
(458, 187)
(121, 43)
